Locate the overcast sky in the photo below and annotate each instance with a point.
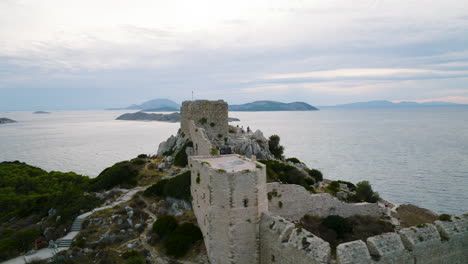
(89, 54)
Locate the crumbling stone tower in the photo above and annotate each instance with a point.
(229, 197)
(212, 116)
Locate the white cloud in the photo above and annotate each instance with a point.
(364, 73)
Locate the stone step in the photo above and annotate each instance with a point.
(64, 243)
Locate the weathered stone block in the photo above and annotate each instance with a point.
(354, 252)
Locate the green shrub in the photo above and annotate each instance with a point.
(274, 146)
(309, 188)
(338, 224)
(177, 187)
(316, 174)
(123, 173)
(142, 156)
(283, 172)
(445, 217)
(164, 225)
(181, 239)
(350, 185)
(334, 186)
(27, 193)
(214, 152)
(294, 160)
(138, 161)
(133, 257)
(181, 158)
(212, 124)
(309, 181)
(364, 192)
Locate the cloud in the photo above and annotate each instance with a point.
(366, 73)
(325, 51)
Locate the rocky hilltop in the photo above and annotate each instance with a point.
(272, 106)
(4, 120)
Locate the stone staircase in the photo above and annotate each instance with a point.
(64, 243)
(76, 226)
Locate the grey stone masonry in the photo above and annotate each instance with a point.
(212, 116)
(229, 196)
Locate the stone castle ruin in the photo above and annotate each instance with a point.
(241, 225)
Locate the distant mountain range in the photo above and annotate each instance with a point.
(154, 105)
(388, 104)
(166, 105)
(272, 106)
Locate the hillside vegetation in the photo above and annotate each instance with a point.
(27, 193)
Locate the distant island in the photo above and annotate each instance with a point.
(388, 104)
(171, 118)
(272, 106)
(6, 120)
(166, 105)
(41, 112)
(162, 109)
(151, 105)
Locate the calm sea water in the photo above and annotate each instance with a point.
(417, 156)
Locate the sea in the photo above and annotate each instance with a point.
(409, 155)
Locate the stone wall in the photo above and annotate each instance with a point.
(209, 115)
(443, 242)
(293, 202)
(228, 205)
(201, 144)
(282, 243)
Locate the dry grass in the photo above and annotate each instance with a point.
(411, 215)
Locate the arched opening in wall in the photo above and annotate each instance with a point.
(196, 147)
(272, 258)
(246, 202)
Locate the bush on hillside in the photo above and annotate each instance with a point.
(29, 192)
(316, 174)
(124, 173)
(350, 185)
(333, 187)
(274, 146)
(164, 225)
(181, 239)
(181, 158)
(177, 187)
(445, 217)
(294, 160)
(364, 192)
(339, 224)
(13, 243)
(282, 172)
(133, 257)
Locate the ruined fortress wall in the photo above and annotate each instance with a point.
(293, 202)
(443, 242)
(228, 206)
(201, 144)
(281, 242)
(209, 115)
